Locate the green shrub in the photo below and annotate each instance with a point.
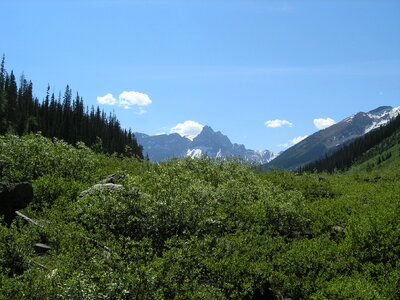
(194, 229)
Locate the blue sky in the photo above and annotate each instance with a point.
(233, 65)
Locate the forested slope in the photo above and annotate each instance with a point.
(64, 117)
(384, 158)
(359, 150)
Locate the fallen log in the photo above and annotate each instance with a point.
(26, 218)
(38, 265)
(41, 248)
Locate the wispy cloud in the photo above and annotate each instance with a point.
(189, 129)
(293, 141)
(321, 123)
(277, 123)
(298, 139)
(141, 111)
(127, 100)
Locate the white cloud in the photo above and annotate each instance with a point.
(323, 123)
(107, 99)
(141, 111)
(134, 98)
(284, 145)
(298, 139)
(189, 129)
(293, 141)
(277, 123)
(127, 100)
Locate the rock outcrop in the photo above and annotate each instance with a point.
(14, 196)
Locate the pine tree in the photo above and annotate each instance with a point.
(11, 94)
(3, 98)
(63, 118)
(2, 74)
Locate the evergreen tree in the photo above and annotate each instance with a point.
(63, 118)
(3, 98)
(11, 94)
(2, 74)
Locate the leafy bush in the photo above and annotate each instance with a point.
(30, 157)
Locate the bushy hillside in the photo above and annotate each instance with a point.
(194, 229)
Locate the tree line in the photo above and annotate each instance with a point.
(64, 117)
(353, 152)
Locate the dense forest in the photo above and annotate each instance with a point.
(64, 117)
(350, 154)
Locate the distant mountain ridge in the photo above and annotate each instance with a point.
(331, 139)
(210, 142)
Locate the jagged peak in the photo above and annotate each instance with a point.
(207, 130)
(208, 141)
(380, 109)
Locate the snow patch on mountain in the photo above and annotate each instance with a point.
(394, 112)
(382, 118)
(194, 153)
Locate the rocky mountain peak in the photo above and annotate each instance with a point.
(381, 109)
(212, 143)
(209, 138)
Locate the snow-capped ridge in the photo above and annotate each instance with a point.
(208, 142)
(382, 116)
(334, 137)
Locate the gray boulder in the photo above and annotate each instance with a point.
(110, 188)
(113, 178)
(103, 187)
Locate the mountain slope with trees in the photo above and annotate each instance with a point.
(360, 150)
(381, 160)
(331, 139)
(64, 117)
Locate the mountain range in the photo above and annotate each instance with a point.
(210, 142)
(331, 139)
(314, 147)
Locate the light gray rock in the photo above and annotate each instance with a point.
(103, 187)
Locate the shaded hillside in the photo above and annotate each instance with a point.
(373, 144)
(64, 117)
(329, 140)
